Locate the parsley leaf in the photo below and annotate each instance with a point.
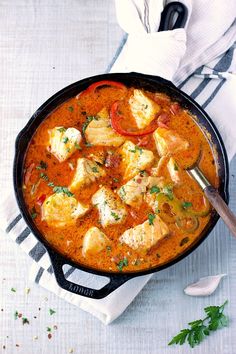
(137, 149)
(167, 190)
(65, 190)
(77, 146)
(65, 140)
(33, 213)
(42, 166)
(176, 167)
(122, 263)
(13, 290)
(115, 216)
(25, 320)
(86, 123)
(44, 176)
(95, 170)
(61, 130)
(186, 205)
(154, 189)
(51, 312)
(199, 329)
(151, 218)
(70, 109)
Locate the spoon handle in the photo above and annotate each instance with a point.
(222, 208)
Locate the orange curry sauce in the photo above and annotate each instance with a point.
(68, 240)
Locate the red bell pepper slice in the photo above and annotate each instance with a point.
(41, 199)
(116, 118)
(98, 84)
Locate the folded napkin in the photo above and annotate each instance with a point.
(174, 55)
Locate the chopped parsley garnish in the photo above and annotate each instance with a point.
(44, 176)
(95, 170)
(25, 320)
(116, 180)
(122, 192)
(184, 241)
(151, 218)
(86, 123)
(77, 146)
(108, 248)
(65, 140)
(154, 189)
(143, 173)
(137, 148)
(122, 263)
(13, 290)
(42, 165)
(51, 312)
(16, 313)
(115, 216)
(65, 190)
(176, 167)
(88, 144)
(70, 108)
(68, 149)
(49, 329)
(158, 255)
(186, 205)
(51, 184)
(61, 130)
(33, 213)
(167, 190)
(137, 262)
(199, 329)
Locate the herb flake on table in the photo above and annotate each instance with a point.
(51, 312)
(13, 290)
(199, 329)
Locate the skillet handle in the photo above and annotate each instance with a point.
(115, 280)
(171, 10)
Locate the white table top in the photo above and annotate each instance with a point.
(46, 45)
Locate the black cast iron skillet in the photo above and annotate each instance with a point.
(146, 82)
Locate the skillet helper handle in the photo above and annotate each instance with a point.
(222, 208)
(115, 280)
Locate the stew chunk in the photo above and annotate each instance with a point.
(110, 208)
(143, 109)
(145, 235)
(135, 159)
(169, 142)
(94, 241)
(87, 172)
(174, 170)
(132, 192)
(100, 132)
(60, 210)
(63, 142)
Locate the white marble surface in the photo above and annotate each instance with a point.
(44, 46)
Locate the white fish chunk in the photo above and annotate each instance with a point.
(205, 286)
(135, 159)
(60, 210)
(99, 131)
(143, 109)
(132, 193)
(144, 236)
(110, 208)
(63, 142)
(87, 172)
(169, 142)
(94, 241)
(174, 170)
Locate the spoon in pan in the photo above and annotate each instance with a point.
(213, 196)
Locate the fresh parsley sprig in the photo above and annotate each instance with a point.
(199, 329)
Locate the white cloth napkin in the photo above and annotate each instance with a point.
(168, 54)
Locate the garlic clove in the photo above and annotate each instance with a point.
(205, 286)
